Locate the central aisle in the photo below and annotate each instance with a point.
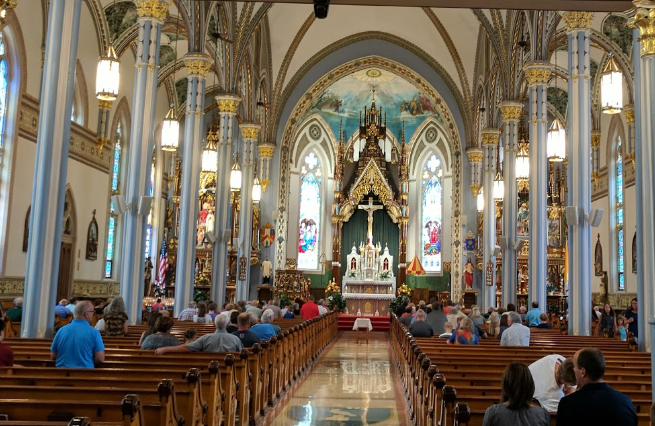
(352, 384)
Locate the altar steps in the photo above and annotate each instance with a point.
(379, 323)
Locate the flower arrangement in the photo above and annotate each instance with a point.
(384, 275)
(202, 281)
(332, 288)
(336, 302)
(404, 290)
(352, 274)
(551, 288)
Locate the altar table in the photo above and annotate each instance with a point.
(368, 297)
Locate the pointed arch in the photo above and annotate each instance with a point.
(616, 163)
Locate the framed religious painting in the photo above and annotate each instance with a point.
(92, 239)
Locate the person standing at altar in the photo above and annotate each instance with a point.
(267, 268)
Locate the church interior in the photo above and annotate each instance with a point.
(479, 154)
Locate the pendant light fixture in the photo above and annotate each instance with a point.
(170, 132)
(480, 200)
(611, 87)
(523, 156)
(256, 188)
(209, 158)
(108, 76)
(235, 174)
(556, 141)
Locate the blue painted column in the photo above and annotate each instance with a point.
(197, 65)
(579, 171)
(537, 74)
(250, 132)
(644, 70)
(152, 14)
(228, 104)
(50, 169)
(490, 138)
(511, 111)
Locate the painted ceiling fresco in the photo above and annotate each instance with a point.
(401, 100)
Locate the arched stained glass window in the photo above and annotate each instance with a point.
(149, 222)
(431, 219)
(310, 213)
(115, 182)
(4, 84)
(620, 238)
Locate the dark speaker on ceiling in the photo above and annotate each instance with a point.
(321, 8)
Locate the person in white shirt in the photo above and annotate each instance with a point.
(554, 378)
(448, 331)
(517, 334)
(321, 307)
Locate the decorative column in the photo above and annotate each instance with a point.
(50, 169)
(578, 26)
(595, 156)
(104, 107)
(537, 75)
(337, 223)
(152, 14)
(644, 70)
(228, 104)
(250, 132)
(511, 111)
(404, 207)
(266, 152)
(629, 111)
(197, 64)
(475, 158)
(490, 138)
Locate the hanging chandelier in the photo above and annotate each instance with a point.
(499, 187)
(556, 142)
(108, 76)
(256, 189)
(480, 200)
(209, 158)
(170, 131)
(235, 174)
(611, 87)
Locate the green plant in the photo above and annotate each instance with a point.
(284, 299)
(395, 303)
(352, 274)
(336, 302)
(384, 275)
(200, 296)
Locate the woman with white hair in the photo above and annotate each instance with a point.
(116, 318)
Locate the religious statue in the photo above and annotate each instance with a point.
(468, 274)
(267, 267)
(634, 254)
(147, 276)
(603, 287)
(92, 239)
(598, 258)
(369, 208)
(523, 225)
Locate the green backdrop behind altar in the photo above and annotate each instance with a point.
(384, 232)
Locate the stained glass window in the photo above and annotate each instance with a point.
(619, 216)
(310, 213)
(432, 214)
(115, 182)
(4, 83)
(149, 222)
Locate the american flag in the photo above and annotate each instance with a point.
(163, 263)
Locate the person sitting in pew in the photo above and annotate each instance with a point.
(190, 335)
(152, 326)
(116, 318)
(544, 322)
(233, 325)
(247, 337)
(465, 334)
(554, 378)
(265, 329)
(516, 334)
(407, 316)
(502, 325)
(448, 331)
(420, 328)
(78, 345)
(61, 309)
(6, 354)
(162, 337)
(15, 314)
(515, 401)
(532, 317)
(219, 341)
(437, 319)
(594, 402)
(188, 313)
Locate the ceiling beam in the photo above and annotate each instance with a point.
(588, 5)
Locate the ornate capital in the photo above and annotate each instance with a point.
(228, 102)
(644, 21)
(595, 138)
(537, 72)
(475, 155)
(104, 104)
(264, 183)
(490, 136)
(250, 130)
(152, 9)
(475, 189)
(575, 21)
(266, 150)
(197, 64)
(629, 111)
(511, 110)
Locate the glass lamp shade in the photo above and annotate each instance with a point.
(480, 200)
(556, 141)
(611, 88)
(256, 191)
(522, 166)
(209, 158)
(108, 76)
(170, 132)
(499, 188)
(235, 176)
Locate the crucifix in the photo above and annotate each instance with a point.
(370, 208)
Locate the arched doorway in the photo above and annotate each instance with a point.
(67, 253)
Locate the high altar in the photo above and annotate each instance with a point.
(375, 169)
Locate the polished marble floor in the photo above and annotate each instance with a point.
(352, 384)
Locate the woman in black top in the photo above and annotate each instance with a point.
(608, 320)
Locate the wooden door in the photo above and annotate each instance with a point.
(65, 270)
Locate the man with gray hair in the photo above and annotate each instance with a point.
(78, 345)
(517, 334)
(265, 329)
(219, 341)
(15, 314)
(321, 307)
(188, 313)
(420, 328)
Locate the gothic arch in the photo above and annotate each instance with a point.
(429, 136)
(616, 130)
(81, 96)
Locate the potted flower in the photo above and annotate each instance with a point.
(384, 275)
(550, 288)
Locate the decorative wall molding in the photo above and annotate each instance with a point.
(96, 288)
(600, 189)
(11, 287)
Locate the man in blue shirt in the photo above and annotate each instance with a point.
(61, 310)
(532, 317)
(78, 345)
(265, 330)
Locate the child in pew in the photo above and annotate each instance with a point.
(620, 328)
(515, 406)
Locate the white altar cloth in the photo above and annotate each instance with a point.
(363, 323)
(367, 296)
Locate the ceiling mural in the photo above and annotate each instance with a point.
(398, 98)
(618, 30)
(120, 16)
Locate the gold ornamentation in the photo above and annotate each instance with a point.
(266, 150)
(228, 103)
(250, 130)
(595, 138)
(447, 267)
(104, 104)
(629, 111)
(154, 9)
(630, 156)
(644, 21)
(490, 136)
(475, 155)
(197, 65)
(101, 143)
(595, 177)
(475, 189)
(264, 183)
(537, 72)
(578, 20)
(511, 110)
(371, 179)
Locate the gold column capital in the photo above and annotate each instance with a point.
(228, 102)
(595, 138)
(511, 110)
(490, 136)
(475, 189)
(644, 21)
(152, 9)
(475, 155)
(575, 21)
(250, 130)
(197, 64)
(105, 104)
(266, 150)
(629, 111)
(537, 72)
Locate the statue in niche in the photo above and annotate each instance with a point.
(634, 254)
(92, 239)
(468, 274)
(523, 225)
(598, 259)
